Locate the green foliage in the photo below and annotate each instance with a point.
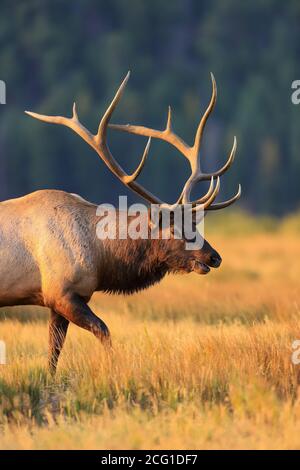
(53, 53)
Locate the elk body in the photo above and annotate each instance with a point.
(51, 255)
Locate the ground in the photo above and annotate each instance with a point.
(198, 361)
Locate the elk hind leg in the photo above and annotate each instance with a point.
(58, 327)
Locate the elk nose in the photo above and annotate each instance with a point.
(215, 260)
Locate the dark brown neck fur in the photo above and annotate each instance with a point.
(132, 265)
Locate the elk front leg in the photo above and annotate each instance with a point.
(75, 310)
(58, 327)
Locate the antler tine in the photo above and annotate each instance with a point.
(194, 157)
(101, 134)
(75, 115)
(130, 178)
(169, 120)
(213, 196)
(203, 121)
(221, 171)
(222, 205)
(207, 203)
(202, 199)
(184, 196)
(73, 123)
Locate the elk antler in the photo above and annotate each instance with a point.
(192, 154)
(99, 144)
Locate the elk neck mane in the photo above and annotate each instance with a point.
(132, 265)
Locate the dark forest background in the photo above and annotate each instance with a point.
(55, 52)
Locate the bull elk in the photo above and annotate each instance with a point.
(51, 256)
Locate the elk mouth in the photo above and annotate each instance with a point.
(201, 268)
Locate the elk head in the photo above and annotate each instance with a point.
(179, 259)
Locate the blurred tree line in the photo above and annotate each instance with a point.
(55, 52)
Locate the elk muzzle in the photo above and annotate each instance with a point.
(206, 259)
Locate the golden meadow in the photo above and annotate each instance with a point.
(198, 361)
